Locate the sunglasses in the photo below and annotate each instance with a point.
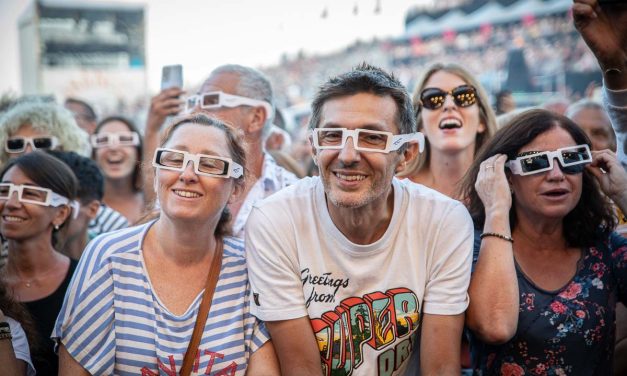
(206, 165)
(363, 139)
(218, 99)
(107, 140)
(30, 194)
(18, 144)
(433, 98)
(572, 160)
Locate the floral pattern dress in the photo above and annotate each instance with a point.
(569, 331)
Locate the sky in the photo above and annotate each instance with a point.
(202, 34)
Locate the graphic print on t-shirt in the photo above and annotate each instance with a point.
(372, 322)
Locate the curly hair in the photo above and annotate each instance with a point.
(44, 117)
(591, 220)
(486, 115)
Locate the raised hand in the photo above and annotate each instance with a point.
(492, 186)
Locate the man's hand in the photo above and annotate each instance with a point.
(604, 29)
(166, 103)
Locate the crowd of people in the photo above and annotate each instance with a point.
(395, 234)
(548, 39)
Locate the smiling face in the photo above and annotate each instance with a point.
(185, 195)
(547, 195)
(450, 128)
(117, 162)
(22, 221)
(354, 179)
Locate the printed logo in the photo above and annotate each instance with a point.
(320, 286)
(382, 322)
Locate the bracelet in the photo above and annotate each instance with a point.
(5, 331)
(496, 235)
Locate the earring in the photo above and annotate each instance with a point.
(56, 227)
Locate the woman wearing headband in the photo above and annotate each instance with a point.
(548, 267)
(455, 116)
(117, 148)
(39, 125)
(140, 293)
(36, 202)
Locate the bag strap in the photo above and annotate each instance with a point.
(203, 310)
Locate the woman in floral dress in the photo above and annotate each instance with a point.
(548, 267)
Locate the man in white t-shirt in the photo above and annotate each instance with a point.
(349, 268)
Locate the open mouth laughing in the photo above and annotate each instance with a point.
(450, 123)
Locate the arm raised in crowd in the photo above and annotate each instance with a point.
(604, 29)
(166, 103)
(493, 310)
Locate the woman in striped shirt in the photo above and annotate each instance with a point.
(133, 303)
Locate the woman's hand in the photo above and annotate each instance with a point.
(611, 176)
(492, 186)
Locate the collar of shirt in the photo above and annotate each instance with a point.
(273, 178)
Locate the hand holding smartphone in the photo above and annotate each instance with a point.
(171, 76)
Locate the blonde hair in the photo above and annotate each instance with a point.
(44, 117)
(486, 114)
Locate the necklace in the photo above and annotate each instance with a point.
(28, 283)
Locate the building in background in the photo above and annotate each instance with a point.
(90, 50)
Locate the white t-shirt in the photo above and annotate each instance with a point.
(300, 264)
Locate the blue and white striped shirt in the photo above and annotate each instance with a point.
(113, 323)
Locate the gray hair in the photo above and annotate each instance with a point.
(252, 84)
(44, 117)
(583, 104)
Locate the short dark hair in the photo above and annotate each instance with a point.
(48, 172)
(90, 114)
(90, 179)
(137, 177)
(366, 78)
(591, 220)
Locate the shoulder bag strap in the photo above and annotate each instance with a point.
(203, 310)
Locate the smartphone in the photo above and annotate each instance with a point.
(172, 76)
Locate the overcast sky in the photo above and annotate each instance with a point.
(202, 34)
